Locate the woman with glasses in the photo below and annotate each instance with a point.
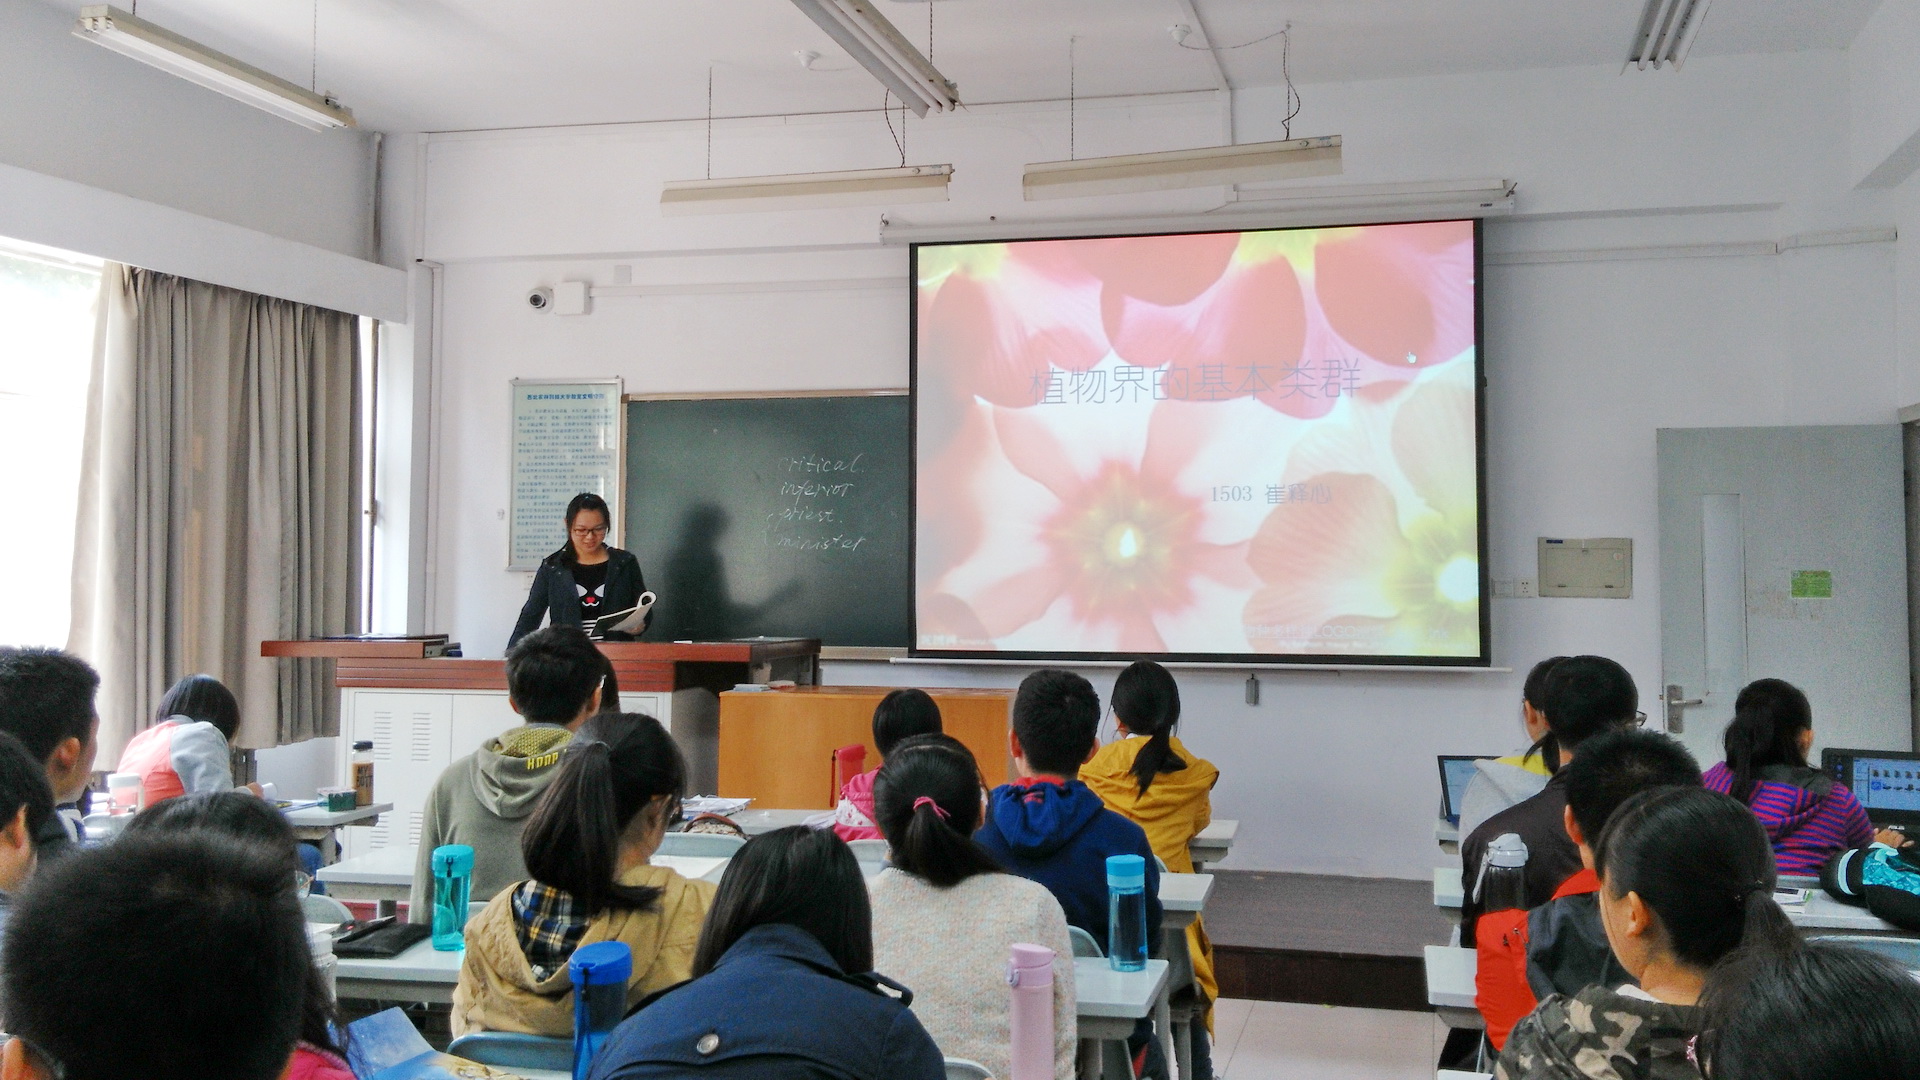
(585, 579)
(588, 848)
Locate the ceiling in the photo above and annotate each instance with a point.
(443, 65)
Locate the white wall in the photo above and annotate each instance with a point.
(77, 111)
(1585, 359)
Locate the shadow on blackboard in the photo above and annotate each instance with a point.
(702, 605)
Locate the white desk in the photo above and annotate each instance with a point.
(1448, 890)
(1450, 972)
(1823, 912)
(1443, 1074)
(320, 825)
(383, 875)
(756, 822)
(1212, 843)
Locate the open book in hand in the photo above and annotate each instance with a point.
(631, 621)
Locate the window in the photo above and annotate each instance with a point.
(47, 300)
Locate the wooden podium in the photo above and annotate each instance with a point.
(776, 746)
(422, 711)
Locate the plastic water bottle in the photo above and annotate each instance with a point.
(1502, 883)
(452, 881)
(1127, 912)
(600, 972)
(1030, 974)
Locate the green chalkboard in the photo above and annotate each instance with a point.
(772, 515)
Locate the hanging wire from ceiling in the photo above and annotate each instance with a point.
(1281, 33)
(1073, 104)
(899, 137)
(709, 121)
(1286, 75)
(313, 69)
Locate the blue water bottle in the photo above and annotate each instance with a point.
(1127, 912)
(599, 972)
(452, 882)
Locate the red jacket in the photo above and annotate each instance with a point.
(1501, 990)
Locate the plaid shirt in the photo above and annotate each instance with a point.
(550, 925)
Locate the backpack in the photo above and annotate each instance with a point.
(1883, 880)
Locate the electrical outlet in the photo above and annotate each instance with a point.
(1524, 589)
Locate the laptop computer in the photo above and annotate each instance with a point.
(1456, 770)
(1887, 782)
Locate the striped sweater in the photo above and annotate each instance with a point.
(1808, 816)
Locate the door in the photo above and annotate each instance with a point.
(1783, 555)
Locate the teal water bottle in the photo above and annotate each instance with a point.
(600, 972)
(1127, 912)
(452, 882)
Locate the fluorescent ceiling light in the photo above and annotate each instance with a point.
(196, 63)
(1207, 167)
(807, 191)
(1447, 198)
(873, 43)
(1667, 30)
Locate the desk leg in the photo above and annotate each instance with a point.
(383, 909)
(1183, 1046)
(1089, 1059)
(1163, 1023)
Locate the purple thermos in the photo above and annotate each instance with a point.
(1030, 975)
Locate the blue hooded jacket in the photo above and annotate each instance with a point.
(1060, 834)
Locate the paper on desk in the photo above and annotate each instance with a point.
(1792, 899)
(386, 1046)
(694, 805)
(691, 867)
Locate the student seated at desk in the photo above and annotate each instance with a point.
(900, 715)
(1585, 696)
(945, 914)
(554, 680)
(46, 701)
(783, 985)
(1810, 817)
(1151, 778)
(586, 848)
(241, 815)
(1501, 782)
(1686, 877)
(26, 806)
(1824, 1011)
(180, 956)
(1561, 946)
(1049, 826)
(187, 750)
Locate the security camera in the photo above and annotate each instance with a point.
(540, 299)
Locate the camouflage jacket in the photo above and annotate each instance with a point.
(1599, 1034)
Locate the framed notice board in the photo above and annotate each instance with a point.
(568, 437)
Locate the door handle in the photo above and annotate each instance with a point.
(1677, 708)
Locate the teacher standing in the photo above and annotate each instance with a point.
(585, 579)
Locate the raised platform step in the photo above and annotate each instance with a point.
(1323, 939)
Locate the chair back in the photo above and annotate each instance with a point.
(1083, 943)
(701, 845)
(848, 762)
(515, 1050)
(962, 1069)
(324, 909)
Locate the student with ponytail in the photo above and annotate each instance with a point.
(1686, 878)
(1808, 816)
(945, 914)
(587, 845)
(1502, 782)
(1149, 776)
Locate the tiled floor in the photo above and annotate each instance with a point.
(1274, 1040)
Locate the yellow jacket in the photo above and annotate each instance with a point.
(1176, 806)
(498, 992)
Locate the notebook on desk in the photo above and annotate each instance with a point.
(1456, 771)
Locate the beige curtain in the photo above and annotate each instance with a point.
(219, 502)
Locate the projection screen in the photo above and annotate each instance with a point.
(1242, 447)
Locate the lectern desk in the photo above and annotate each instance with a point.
(421, 712)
